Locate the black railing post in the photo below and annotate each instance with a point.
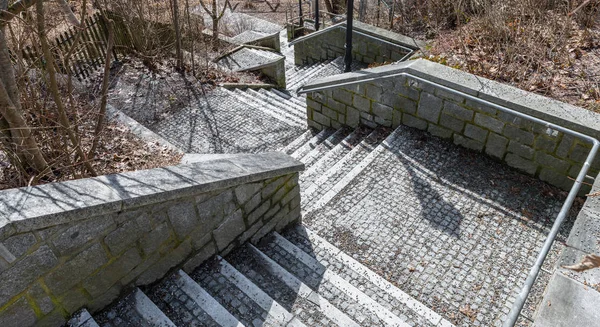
(316, 15)
(300, 13)
(349, 17)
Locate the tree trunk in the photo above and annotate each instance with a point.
(105, 80)
(19, 135)
(50, 67)
(178, 53)
(215, 32)
(215, 27)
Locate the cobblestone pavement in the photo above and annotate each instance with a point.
(178, 305)
(199, 120)
(240, 305)
(454, 229)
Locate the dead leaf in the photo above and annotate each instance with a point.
(590, 261)
(467, 311)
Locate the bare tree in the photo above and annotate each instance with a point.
(16, 134)
(216, 16)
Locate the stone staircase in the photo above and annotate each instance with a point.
(291, 279)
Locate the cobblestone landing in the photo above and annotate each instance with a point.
(454, 229)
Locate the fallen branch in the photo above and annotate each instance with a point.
(583, 4)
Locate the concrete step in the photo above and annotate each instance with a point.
(298, 142)
(267, 108)
(320, 150)
(136, 309)
(82, 318)
(286, 289)
(312, 143)
(300, 109)
(300, 100)
(187, 303)
(241, 297)
(305, 73)
(279, 103)
(314, 190)
(379, 289)
(298, 71)
(335, 289)
(336, 154)
(332, 67)
(338, 185)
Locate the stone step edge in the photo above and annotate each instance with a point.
(282, 105)
(298, 70)
(313, 156)
(350, 290)
(357, 170)
(362, 270)
(324, 177)
(241, 97)
(82, 318)
(304, 291)
(274, 309)
(296, 83)
(303, 75)
(336, 151)
(315, 140)
(298, 142)
(259, 98)
(205, 301)
(300, 100)
(277, 113)
(149, 311)
(299, 109)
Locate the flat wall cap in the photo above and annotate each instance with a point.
(554, 111)
(30, 208)
(401, 40)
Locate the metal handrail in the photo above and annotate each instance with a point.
(515, 311)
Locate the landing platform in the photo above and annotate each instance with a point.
(456, 230)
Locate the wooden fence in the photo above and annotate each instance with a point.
(88, 55)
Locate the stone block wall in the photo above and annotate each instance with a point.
(271, 41)
(532, 148)
(83, 243)
(330, 43)
(275, 72)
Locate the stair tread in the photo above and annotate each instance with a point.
(321, 185)
(298, 142)
(82, 318)
(269, 109)
(312, 143)
(136, 310)
(334, 155)
(244, 300)
(286, 289)
(298, 108)
(328, 284)
(327, 145)
(185, 302)
(281, 104)
(380, 289)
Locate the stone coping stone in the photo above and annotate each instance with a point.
(30, 208)
(247, 58)
(381, 33)
(251, 36)
(570, 304)
(554, 111)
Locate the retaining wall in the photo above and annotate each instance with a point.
(329, 43)
(85, 242)
(534, 149)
